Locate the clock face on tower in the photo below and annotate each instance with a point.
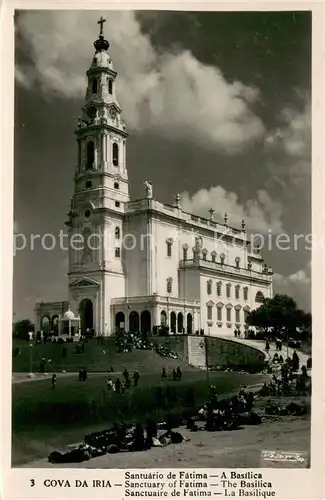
(91, 112)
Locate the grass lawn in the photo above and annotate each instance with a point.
(44, 419)
(96, 357)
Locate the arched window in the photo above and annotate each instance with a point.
(219, 313)
(228, 314)
(259, 298)
(116, 185)
(163, 318)
(115, 154)
(110, 86)
(246, 312)
(169, 248)
(209, 287)
(90, 155)
(95, 85)
(209, 312)
(117, 233)
(117, 252)
(237, 315)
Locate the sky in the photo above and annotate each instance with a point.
(217, 106)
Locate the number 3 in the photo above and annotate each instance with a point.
(32, 482)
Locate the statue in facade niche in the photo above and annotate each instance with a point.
(148, 187)
(198, 245)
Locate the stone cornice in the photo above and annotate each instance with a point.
(88, 130)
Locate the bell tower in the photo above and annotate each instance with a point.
(101, 133)
(101, 189)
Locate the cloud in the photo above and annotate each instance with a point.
(174, 94)
(261, 214)
(288, 148)
(293, 136)
(296, 285)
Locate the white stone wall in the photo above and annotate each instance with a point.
(136, 255)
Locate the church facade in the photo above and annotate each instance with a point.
(139, 264)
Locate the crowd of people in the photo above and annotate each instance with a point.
(118, 386)
(120, 438)
(127, 341)
(226, 414)
(164, 351)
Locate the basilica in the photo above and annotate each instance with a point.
(142, 264)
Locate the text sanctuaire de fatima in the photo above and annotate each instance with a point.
(194, 484)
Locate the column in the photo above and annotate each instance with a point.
(126, 319)
(109, 151)
(155, 315)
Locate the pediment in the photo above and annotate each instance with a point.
(84, 282)
(114, 106)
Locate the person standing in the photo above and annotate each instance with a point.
(117, 386)
(53, 381)
(136, 377)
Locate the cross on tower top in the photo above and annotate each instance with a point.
(101, 22)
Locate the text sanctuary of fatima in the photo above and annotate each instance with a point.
(142, 264)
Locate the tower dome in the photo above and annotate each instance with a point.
(68, 315)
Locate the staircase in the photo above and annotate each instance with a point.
(196, 351)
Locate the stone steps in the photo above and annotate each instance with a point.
(196, 351)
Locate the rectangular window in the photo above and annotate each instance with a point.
(237, 316)
(228, 291)
(117, 203)
(237, 292)
(209, 312)
(169, 286)
(219, 312)
(228, 315)
(117, 252)
(184, 253)
(245, 293)
(219, 288)
(246, 313)
(169, 249)
(209, 287)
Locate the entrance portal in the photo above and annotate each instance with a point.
(134, 322)
(173, 322)
(145, 322)
(120, 321)
(189, 323)
(180, 323)
(86, 315)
